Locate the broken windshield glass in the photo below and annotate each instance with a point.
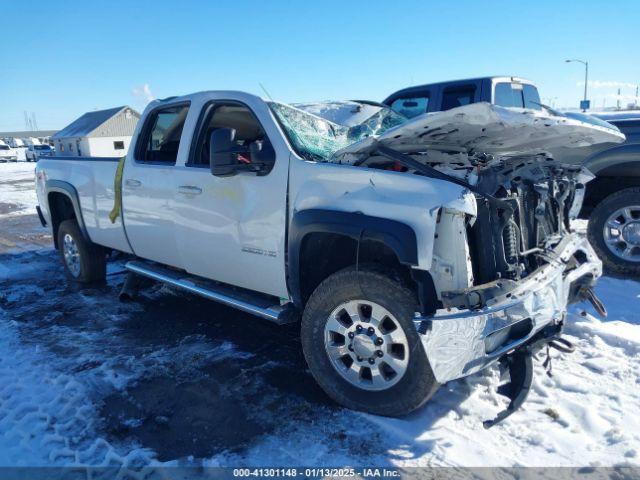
(316, 138)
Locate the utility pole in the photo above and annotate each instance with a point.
(584, 105)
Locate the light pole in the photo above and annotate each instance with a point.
(586, 78)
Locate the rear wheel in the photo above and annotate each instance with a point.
(614, 231)
(84, 261)
(361, 345)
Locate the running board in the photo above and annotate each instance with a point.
(242, 299)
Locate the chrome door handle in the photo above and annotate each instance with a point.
(130, 182)
(189, 190)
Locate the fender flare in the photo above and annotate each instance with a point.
(622, 160)
(398, 236)
(69, 191)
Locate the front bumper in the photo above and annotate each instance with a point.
(461, 342)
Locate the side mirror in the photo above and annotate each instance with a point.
(223, 155)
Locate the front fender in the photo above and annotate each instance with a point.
(412, 200)
(619, 161)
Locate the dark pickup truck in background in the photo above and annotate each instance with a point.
(612, 199)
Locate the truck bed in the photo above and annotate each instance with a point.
(93, 179)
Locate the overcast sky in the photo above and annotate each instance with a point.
(61, 59)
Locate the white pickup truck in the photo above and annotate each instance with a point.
(414, 251)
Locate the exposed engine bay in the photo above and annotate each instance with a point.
(524, 205)
(525, 199)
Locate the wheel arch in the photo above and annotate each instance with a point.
(615, 169)
(63, 204)
(322, 242)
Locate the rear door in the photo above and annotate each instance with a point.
(148, 185)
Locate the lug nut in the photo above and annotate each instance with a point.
(379, 341)
(371, 330)
(379, 353)
(359, 359)
(372, 360)
(351, 335)
(359, 328)
(350, 347)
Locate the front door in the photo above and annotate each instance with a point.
(232, 229)
(148, 186)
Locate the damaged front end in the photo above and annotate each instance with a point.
(460, 341)
(505, 274)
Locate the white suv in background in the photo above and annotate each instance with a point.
(34, 152)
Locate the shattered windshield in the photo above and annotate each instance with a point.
(316, 138)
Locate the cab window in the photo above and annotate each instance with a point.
(458, 96)
(508, 95)
(250, 138)
(531, 97)
(411, 107)
(516, 95)
(161, 135)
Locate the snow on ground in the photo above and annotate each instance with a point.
(17, 190)
(80, 377)
(174, 379)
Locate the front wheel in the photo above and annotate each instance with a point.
(361, 345)
(614, 231)
(84, 261)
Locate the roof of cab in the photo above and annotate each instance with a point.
(204, 94)
(417, 88)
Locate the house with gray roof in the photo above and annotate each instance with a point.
(103, 133)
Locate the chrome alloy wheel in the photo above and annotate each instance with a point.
(71, 255)
(622, 233)
(366, 345)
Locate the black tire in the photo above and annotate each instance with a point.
(417, 384)
(92, 257)
(595, 231)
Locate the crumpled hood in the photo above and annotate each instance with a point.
(483, 128)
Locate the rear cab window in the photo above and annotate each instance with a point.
(411, 106)
(160, 137)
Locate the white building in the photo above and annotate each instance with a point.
(104, 133)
